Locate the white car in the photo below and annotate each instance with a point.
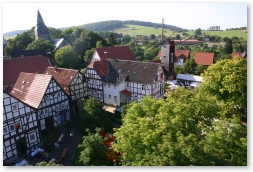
(173, 84)
(194, 85)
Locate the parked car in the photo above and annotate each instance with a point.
(194, 85)
(173, 84)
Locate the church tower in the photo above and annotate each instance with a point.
(41, 30)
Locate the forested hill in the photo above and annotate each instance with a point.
(113, 24)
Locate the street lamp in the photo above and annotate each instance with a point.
(72, 135)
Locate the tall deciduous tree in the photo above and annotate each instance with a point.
(66, 57)
(41, 44)
(227, 79)
(190, 66)
(198, 31)
(111, 40)
(93, 151)
(228, 49)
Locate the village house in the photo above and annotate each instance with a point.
(202, 58)
(180, 56)
(235, 54)
(119, 81)
(94, 84)
(25, 53)
(13, 67)
(45, 95)
(20, 128)
(72, 82)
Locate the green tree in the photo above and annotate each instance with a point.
(126, 39)
(50, 163)
(152, 36)
(88, 55)
(41, 44)
(144, 40)
(71, 34)
(54, 33)
(66, 57)
(177, 36)
(111, 40)
(94, 116)
(198, 31)
(20, 42)
(228, 49)
(190, 66)
(227, 79)
(93, 151)
(200, 68)
(99, 44)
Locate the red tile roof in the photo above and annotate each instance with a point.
(204, 58)
(122, 53)
(100, 67)
(125, 93)
(61, 75)
(235, 54)
(31, 64)
(182, 53)
(30, 88)
(178, 53)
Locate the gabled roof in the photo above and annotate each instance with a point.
(30, 88)
(178, 53)
(204, 58)
(100, 67)
(13, 67)
(121, 53)
(182, 53)
(133, 71)
(20, 53)
(62, 75)
(125, 93)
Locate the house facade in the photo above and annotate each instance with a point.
(71, 81)
(44, 94)
(123, 80)
(20, 128)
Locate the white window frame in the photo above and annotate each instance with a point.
(6, 129)
(115, 98)
(14, 107)
(109, 96)
(32, 140)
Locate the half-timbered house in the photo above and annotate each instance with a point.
(71, 81)
(119, 81)
(44, 94)
(20, 128)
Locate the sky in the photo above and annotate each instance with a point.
(19, 16)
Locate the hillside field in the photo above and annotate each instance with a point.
(133, 30)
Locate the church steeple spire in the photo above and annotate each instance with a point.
(41, 30)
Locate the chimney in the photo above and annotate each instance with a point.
(162, 32)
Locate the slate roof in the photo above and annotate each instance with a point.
(59, 42)
(13, 67)
(40, 27)
(30, 88)
(132, 71)
(204, 58)
(121, 52)
(20, 53)
(62, 75)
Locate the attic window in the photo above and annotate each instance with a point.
(23, 82)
